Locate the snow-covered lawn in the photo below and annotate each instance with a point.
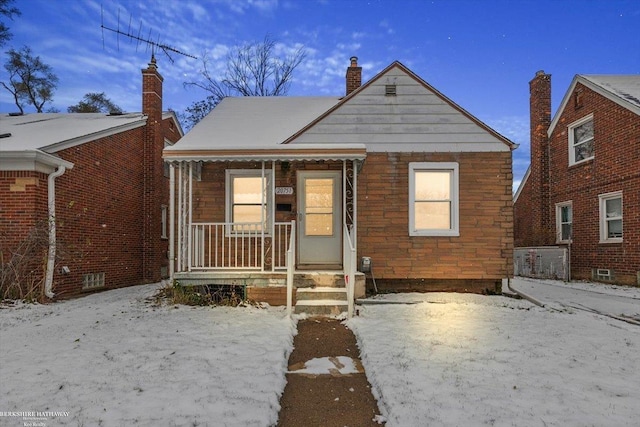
(113, 359)
(471, 360)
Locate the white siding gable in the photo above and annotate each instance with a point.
(416, 119)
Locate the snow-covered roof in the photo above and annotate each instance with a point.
(51, 132)
(253, 122)
(623, 89)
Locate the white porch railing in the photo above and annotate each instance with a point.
(239, 246)
(349, 266)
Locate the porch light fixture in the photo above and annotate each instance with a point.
(285, 166)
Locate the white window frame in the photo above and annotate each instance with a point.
(453, 167)
(570, 131)
(255, 173)
(603, 198)
(559, 222)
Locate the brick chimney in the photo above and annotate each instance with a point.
(155, 189)
(354, 75)
(540, 116)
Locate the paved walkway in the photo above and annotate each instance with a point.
(326, 384)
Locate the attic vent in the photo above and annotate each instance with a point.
(603, 274)
(390, 90)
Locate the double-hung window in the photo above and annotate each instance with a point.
(433, 199)
(564, 222)
(611, 217)
(248, 200)
(581, 143)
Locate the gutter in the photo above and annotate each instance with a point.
(51, 258)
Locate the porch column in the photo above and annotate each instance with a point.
(172, 218)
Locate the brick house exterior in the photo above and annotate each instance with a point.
(109, 199)
(581, 190)
(423, 187)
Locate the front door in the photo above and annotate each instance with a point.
(319, 219)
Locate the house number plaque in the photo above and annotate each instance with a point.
(284, 190)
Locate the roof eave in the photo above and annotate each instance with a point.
(31, 160)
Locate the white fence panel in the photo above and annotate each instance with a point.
(548, 262)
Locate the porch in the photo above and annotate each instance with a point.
(282, 228)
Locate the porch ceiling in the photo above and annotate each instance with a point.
(289, 152)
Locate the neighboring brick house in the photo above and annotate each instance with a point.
(106, 176)
(582, 189)
(422, 187)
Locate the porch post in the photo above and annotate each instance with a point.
(354, 220)
(172, 218)
(262, 224)
(190, 232)
(180, 213)
(272, 212)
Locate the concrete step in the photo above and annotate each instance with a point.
(325, 307)
(319, 278)
(321, 293)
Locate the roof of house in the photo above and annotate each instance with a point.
(52, 132)
(263, 128)
(254, 122)
(619, 88)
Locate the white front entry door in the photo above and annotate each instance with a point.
(320, 218)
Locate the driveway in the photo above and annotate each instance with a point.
(615, 301)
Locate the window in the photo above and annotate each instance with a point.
(581, 144)
(93, 280)
(248, 200)
(564, 220)
(164, 223)
(433, 199)
(611, 217)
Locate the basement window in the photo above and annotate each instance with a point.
(93, 281)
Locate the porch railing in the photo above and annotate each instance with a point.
(243, 246)
(349, 266)
(291, 266)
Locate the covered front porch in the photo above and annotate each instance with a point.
(279, 222)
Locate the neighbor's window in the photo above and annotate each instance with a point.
(564, 220)
(611, 217)
(581, 144)
(248, 200)
(433, 199)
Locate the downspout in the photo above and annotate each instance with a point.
(51, 258)
(523, 295)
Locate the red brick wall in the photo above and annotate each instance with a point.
(615, 167)
(23, 205)
(485, 245)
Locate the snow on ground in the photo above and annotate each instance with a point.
(113, 359)
(472, 360)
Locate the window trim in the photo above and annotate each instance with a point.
(256, 173)
(455, 205)
(602, 199)
(570, 132)
(559, 222)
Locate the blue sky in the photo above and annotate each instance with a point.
(479, 53)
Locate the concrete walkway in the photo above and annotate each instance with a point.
(326, 384)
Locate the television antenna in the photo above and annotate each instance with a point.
(140, 39)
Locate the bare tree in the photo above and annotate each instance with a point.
(95, 103)
(31, 81)
(7, 10)
(253, 69)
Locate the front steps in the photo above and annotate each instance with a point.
(325, 301)
(323, 293)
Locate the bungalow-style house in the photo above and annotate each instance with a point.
(582, 189)
(85, 198)
(394, 178)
